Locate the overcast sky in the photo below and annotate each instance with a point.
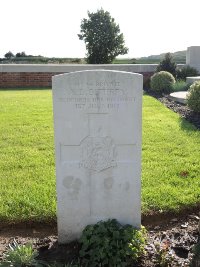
(50, 27)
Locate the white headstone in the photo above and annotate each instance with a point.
(97, 121)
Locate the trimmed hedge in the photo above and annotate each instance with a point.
(162, 82)
(193, 97)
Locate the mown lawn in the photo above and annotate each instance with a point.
(27, 176)
(170, 168)
(171, 160)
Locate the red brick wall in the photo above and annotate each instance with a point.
(25, 79)
(34, 79)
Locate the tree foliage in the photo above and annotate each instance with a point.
(167, 64)
(9, 55)
(102, 37)
(21, 54)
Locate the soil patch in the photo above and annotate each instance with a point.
(175, 238)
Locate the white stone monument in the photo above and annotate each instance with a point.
(97, 122)
(193, 57)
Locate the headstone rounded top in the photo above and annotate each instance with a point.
(97, 72)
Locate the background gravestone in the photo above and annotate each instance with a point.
(193, 57)
(97, 121)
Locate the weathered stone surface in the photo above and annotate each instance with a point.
(191, 80)
(97, 120)
(193, 57)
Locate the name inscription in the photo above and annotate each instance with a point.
(102, 94)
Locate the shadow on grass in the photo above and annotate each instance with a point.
(187, 126)
(154, 218)
(24, 89)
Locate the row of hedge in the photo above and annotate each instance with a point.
(168, 78)
(164, 81)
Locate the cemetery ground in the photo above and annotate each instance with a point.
(170, 172)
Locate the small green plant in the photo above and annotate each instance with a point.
(111, 244)
(146, 83)
(162, 82)
(193, 97)
(167, 64)
(186, 71)
(21, 256)
(164, 257)
(180, 86)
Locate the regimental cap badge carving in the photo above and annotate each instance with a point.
(98, 153)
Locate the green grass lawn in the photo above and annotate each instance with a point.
(171, 160)
(170, 168)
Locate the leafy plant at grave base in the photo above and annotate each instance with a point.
(186, 71)
(180, 85)
(193, 97)
(162, 82)
(21, 256)
(167, 64)
(111, 244)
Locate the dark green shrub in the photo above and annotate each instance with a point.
(111, 244)
(146, 83)
(162, 82)
(193, 97)
(186, 71)
(167, 64)
(180, 86)
(195, 262)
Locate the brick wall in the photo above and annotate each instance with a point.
(40, 75)
(26, 79)
(35, 79)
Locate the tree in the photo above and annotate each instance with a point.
(102, 37)
(22, 54)
(167, 64)
(9, 55)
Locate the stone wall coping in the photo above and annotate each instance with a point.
(192, 79)
(75, 67)
(59, 68)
